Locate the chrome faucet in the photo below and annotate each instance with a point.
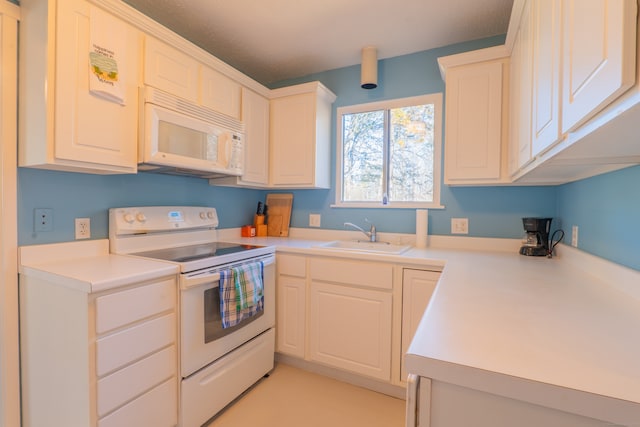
(371, 234)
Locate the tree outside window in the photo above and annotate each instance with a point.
(389, 153)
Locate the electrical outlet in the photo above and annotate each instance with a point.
(42, 219)
(459, 225)
(574, 236)
(83, 228)
(314, 220)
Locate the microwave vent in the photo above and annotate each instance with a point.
(189, 108)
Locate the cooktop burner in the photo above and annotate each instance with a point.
(196, 252)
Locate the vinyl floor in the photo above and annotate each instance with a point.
(291, 397)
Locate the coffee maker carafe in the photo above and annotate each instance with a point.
(536, 239)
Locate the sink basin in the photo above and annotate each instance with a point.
(358, 246)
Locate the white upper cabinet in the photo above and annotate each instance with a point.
(173, 71)
(572, 76)
(521, 93)
(476, 116)
(219, 92)
(473, 144)
(599, 56)
(545, 102)
(300, 136)
(255, 115)
(67, 121)
(169, 69)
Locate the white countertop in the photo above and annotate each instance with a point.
(547, 333)
(561, 332)
(88, 267)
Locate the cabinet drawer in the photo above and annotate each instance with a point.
(122, 386)
(357, 273)
(157, 408)
(292, 265)
(119, 349)
(121, 308)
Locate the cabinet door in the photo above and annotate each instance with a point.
(255, 115)
(417, 288)
(523, 86)
(293, 140)
(219, 92)
(351, 329)
(473, 122)
(291, 315)
(89, 128)
(599, 56)
(546, 40)
(168, 69)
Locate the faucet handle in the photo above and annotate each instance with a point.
(372, 228)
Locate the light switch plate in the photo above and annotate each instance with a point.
(314, 220)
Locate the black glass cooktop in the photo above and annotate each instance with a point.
(197, 252)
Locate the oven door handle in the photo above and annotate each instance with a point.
(190, 282)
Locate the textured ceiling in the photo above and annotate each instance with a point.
(273, 40)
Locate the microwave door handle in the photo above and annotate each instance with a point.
(190, 282)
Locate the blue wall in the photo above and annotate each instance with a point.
(606, 209)
(492, 211)
(73, 195)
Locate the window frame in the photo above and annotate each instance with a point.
(433, 98)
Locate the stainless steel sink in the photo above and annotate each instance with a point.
(358, 246)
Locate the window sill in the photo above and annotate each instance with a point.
(387, 206)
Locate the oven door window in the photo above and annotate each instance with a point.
(213, 320)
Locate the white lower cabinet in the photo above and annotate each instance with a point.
(417, 288)
(291, 297)
(355, 315)
(441, 404)
(105, 360)
(351, 329)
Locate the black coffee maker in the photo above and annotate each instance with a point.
(536, 239)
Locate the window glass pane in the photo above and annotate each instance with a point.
(411, 154)
(363, 148)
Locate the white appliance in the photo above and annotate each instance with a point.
(216, 364)
(179, 137)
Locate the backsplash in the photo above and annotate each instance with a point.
(75, 195)
(606, 209)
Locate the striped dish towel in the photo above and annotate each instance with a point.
(241, 293)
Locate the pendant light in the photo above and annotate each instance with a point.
(369, 68)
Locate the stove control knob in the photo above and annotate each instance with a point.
(141, 217)
(210, 215)
(128, 218)
(203, 215)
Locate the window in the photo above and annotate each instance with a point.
(389, 153)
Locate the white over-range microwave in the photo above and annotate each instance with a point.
(180, 137)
